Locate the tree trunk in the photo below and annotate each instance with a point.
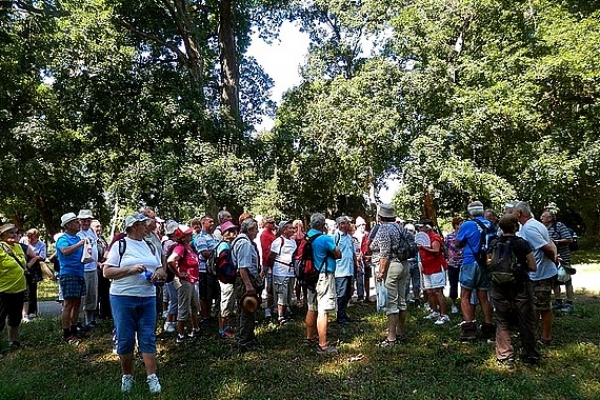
(229, 73)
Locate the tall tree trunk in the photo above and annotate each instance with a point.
(229, 72)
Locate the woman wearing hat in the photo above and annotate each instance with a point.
(12, 282)
(392, 270)
(229, 233)
(134, 265)
(184, 261)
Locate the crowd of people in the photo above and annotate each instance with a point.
(191, 273)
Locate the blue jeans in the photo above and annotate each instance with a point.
(134, 315)
(414, 276)
(343, 288)
(360, 282)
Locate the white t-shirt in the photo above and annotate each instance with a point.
(136, 252)
(93, 238)
(284, 248)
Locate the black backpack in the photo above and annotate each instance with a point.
(308, 272)
(503, 266)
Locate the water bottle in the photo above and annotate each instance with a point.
(148, 276)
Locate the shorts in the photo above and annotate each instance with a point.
(90, 300)
(434, 281)
(323, 298)
(208, 286)
(473, 277)
(227, 299)
(11, 307)
(72, 287)
(283, 287)
(134, 315)
(542, 293)
(187, 301)
(395, 283)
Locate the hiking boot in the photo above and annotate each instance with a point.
(328, 349)
(508, 363)
(443, 319)
(468, 331)
(488, 331)
(557, 304)
(126, 383)
(153, 383)
(14, 345)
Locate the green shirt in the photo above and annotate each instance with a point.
(12, 276)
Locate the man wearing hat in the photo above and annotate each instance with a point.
(280, 261)
(473, 277)
(344, 269)
(69, 249)
(90, 300)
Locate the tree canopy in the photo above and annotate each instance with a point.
(110, 102)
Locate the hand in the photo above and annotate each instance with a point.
(183, 275)
(137, 269)
(159, 274)
(380, 276)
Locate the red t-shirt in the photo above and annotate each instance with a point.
(433, 263)
(187, 262)
(266, 239)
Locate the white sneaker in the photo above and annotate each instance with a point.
(267, 313)
(442, 320)
(427, 307)
(165, 314)
(153, 384)
(126, 383)
(432, 316)
(454, 310)
(169, 327)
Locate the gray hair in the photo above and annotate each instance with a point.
(247, 224)
(317, 221)
(524, 208)
(222, 215)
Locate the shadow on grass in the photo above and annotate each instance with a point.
(432, 364)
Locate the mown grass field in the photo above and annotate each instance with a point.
(432, 364)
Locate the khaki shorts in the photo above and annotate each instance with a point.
(284, 288)
(326, 293)
(187, 301)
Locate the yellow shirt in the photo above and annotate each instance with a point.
(12, 276)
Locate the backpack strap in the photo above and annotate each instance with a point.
(311, 239)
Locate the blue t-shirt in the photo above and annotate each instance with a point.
(204, 242)
(245, 255)
(469, 233)
(321, 247)
(71, 264)
(345, 265)
(537, 235)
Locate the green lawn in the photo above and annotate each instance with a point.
(431, 365)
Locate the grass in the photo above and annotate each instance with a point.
(431, 365)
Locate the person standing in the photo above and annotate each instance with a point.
(209, 288)
(515, 299)
(104, 311)
(245, 257)
(546, 259)
(455, 258)
(69, 248)
(267, 237)
(36, 252)
(472, 276)
(322, 298)
(562, 238)
(388, 242)
(344, 269)
(135, 266)
(90, 300)
(12, 283)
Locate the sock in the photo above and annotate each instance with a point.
(73, 329)
(66, 333)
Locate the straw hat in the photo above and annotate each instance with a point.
(249, 303)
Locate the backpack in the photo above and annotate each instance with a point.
(123, 248)
(308, 273)
(211, 261)
(406, 249)
(503, 266)
(225, 269)
(485, 240)
(168, 251)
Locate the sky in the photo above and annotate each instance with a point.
(282, 60)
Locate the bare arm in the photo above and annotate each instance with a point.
(550, 251)
(247, 282)
(114, 272)
(531, 265)
(68, 250)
